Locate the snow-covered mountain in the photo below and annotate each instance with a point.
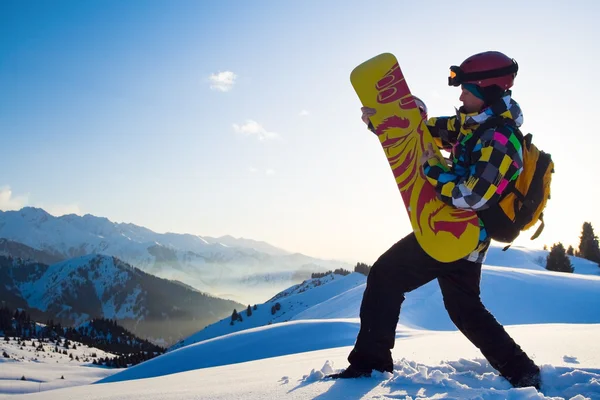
(19, 250)
(240, 269)
(95, 286)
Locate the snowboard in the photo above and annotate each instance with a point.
(444, 232)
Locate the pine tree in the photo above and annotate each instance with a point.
(557, 260)
(571, 251)
(362, 268)
(234, 316)
(249, 310)
(588, 246)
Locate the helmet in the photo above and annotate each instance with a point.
(485, 69)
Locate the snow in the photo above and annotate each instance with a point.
(540, 296)
(553, 316)
(427, 365)
(293, 301)
(126, 309)
(42, 292)
(45, 370)
(523, 257)
(252, 344)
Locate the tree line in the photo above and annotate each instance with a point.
(101, 333)
(361, 268)
(589, 249)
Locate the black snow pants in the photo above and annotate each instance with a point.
(405, 267)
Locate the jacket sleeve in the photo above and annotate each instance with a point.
(443, 130)
(496, 159)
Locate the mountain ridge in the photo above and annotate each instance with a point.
(245, 268)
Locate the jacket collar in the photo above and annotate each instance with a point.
(505, 107)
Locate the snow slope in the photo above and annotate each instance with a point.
(523, 257)
(294, 300)
(285, 352)
(428, 365)
(47, 369)
(540, 296)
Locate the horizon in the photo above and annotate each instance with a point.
(346, 260)
(228, 118)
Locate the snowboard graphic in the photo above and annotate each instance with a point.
(444, 232)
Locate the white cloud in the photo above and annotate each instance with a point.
(254, 128)
(270, 172)
(8, 202)
(304, 113)
(222, 81)
(253, 170)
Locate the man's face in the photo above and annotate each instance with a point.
(471, 103)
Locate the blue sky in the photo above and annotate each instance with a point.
(108, 108)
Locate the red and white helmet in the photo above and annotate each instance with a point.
(485, 69)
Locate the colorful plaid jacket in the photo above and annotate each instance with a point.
(476, 179)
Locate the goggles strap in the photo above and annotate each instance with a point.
(461, 77)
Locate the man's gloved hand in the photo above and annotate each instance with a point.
(368, 112)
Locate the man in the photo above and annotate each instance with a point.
(479, 173)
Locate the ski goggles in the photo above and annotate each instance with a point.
(457, 76)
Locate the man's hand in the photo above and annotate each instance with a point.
(427, 154)
(367, 112)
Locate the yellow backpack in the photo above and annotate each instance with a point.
(523, 202)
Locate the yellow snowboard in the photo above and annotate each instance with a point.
(444, 232)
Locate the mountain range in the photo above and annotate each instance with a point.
(243, 270)
(75, 291)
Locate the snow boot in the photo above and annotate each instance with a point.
(533, 379)
(351, 372)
